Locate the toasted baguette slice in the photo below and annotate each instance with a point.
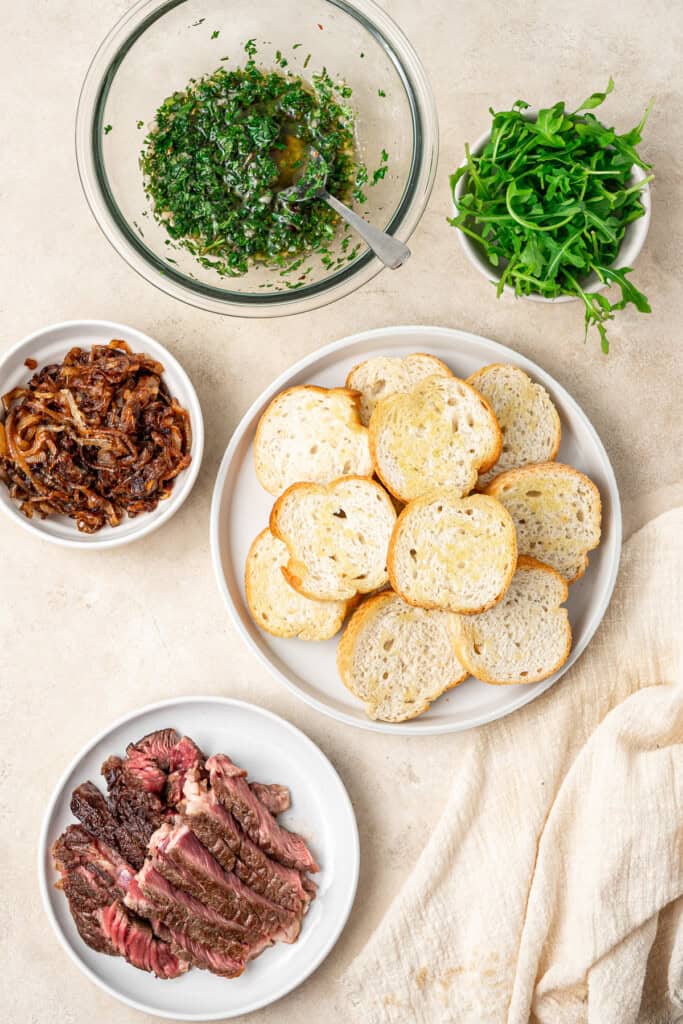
(337, 537)
(453, 553)
(556, 511)
(440, 434)
(528, 420)
(310, 434)
(278, 608)
(382, 376)
(398, 659)
(526, 637)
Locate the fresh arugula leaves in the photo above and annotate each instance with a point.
(549, 199)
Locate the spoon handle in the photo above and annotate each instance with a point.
(389, 250)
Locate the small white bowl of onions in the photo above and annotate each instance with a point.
(126, 437)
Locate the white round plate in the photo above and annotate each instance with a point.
(240, 509)
(50, 345)
(271, 750)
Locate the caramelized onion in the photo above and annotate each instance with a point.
(95, 438)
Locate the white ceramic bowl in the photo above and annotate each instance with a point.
(51, 344)
(632, 243)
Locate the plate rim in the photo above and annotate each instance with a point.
(43, 850)
(109, 542)
(418, 331)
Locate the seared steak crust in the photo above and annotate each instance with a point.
(90, 807)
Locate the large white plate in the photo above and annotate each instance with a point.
(240, 509)
(271, 750)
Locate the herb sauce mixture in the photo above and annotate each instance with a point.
(224, 149)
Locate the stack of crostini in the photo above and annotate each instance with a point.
(429, 512)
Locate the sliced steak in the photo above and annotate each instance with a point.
(159, 763)
(230, 786)
(94, 878)
(196, 954)
(76, 847)
(275, 798)
(90, 807)
(132, 938)
(147, 759)
(184, 759)
(218, 879)
(137, 809)
(218, 831)
(87, 888)
(271, 879)
(180, 911)
(155, 745)
(180, 857)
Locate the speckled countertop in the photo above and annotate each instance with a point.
(85, 639)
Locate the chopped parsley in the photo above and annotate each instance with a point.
(215, 34)
(107, 129)
(361, 179)
(222, 150)
(380, 172)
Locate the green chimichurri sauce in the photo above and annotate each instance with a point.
(224, 149)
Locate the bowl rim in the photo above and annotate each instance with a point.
(629, 250)
(142, 525)
(92, 173)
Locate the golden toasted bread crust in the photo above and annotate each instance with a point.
(474, 378)
(269, 626)
(290, 571)
(494, 489)
(347, 642)
(376, 425)
(355, 425)
(425, 499)
(524, 562)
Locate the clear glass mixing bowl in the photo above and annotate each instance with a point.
(160, 44)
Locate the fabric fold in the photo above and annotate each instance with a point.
(550, 890)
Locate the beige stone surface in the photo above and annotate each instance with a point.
(86, 638)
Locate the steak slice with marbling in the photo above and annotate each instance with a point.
(218, 831)
(273, 796)
(133, 938)
(179, 910)
(94, 878)
(179, 856)
(140, 811)
(229, 783)
(89, 805)
(187, 949)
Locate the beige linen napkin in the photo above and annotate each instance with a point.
(551, 889)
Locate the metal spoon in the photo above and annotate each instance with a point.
(311, 185)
